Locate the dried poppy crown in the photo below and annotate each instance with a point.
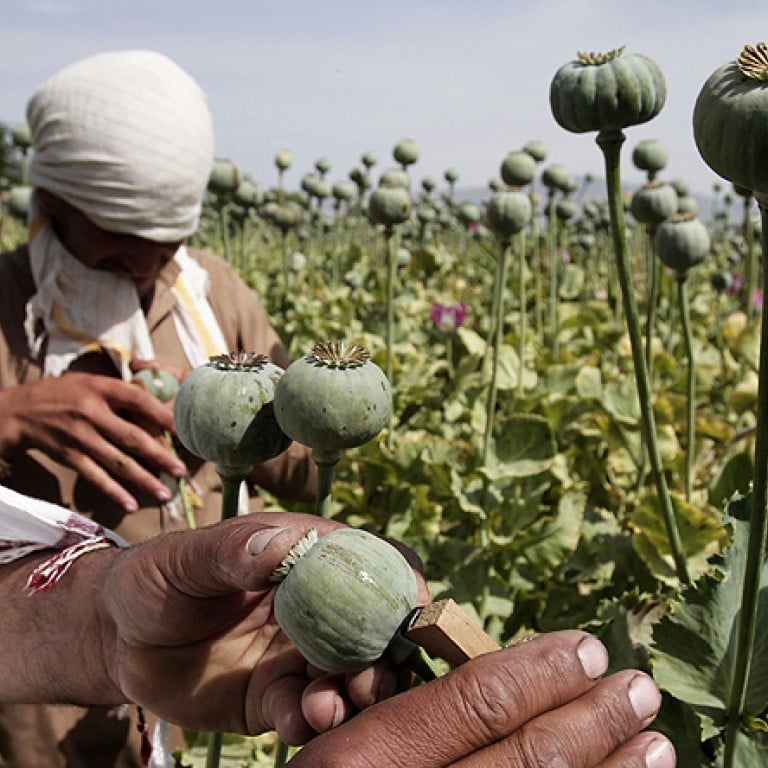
(593, 58)
(753, 62)
(340, 354)
(239, 361)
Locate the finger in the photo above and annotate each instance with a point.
(646, 750)
(95, 474)
(582, 733)
(477, 704)
(117, 465)
(138, 443)
(324, 704)
(235, 555)
(379, 681)
(281, 710)
(124, 396)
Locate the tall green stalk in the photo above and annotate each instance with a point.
(653, 265)
(610, 143)
(523, 301)
(553, 271)
(391, 248)
(682, 301)
(230, 497)
(325, 461)
(758, 530)
(498, 320)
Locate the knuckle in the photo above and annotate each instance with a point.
(539, 746)
(490, 704)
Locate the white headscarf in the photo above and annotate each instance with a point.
(125, 137)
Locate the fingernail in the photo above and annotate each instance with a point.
(258, 542)
(644, 697)
(593, 657)
(660, 754)
(130, 505)
(387, 685)
(164, 494)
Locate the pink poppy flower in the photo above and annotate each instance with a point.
(448, 317)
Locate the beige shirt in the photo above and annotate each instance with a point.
(70, 737)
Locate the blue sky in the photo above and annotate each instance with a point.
(467, 81)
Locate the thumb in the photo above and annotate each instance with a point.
(237, 555)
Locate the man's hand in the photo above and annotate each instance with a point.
(542, 703)
(198, 645)
(197, 642)
(91, 424)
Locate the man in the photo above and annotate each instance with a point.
(122, 153)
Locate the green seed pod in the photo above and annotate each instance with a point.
(607, 92)
(224, 413)
(729, 128)
(557, 177)
(469, 213)
(343, 597)
(654, 202)
(406, 152)
(21, 136)
(248, 194)
(224, 178)
(508, 213)
(343, 190)
(285, 217)
(333, 398)
(160, 383)
(389, 205)
(322, 165)
(451, 175)
(682, 242)
(18, 202)
(566, 209)
(651, 156)
(283, 160)
(428, 184)
(687, 204)
(536, 150)
(518, 169)
(368, 160)
(395, 177)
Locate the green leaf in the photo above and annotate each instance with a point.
(589, 383)
(747, 346)
(472, 341)
(525, 445)
(695, 644)
(621, 401)
(702, 535)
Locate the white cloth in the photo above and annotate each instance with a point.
(125, 137)
(28, 525)
(77, 309)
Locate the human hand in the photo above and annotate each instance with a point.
(541, 703)
(197, 642)
(100, 426)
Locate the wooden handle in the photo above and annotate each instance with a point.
(442, 629)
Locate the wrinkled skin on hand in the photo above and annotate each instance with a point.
(194, 609)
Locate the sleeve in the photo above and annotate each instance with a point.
(28, 525)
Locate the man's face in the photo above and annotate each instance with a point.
(136, 258)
